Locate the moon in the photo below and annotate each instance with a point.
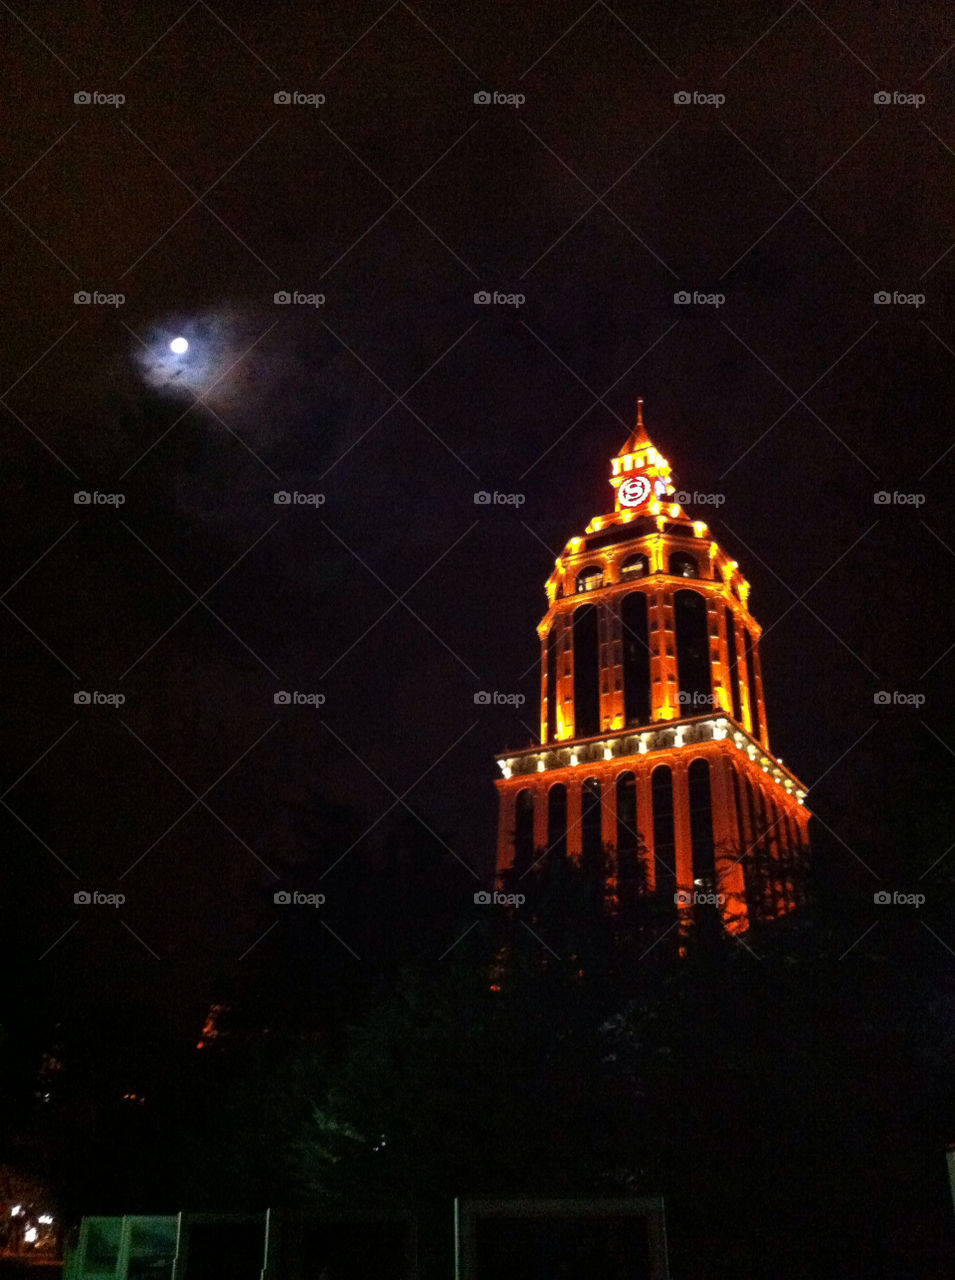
(179, 345)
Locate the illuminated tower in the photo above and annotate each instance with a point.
(654, 744)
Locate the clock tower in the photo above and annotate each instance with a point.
(654, 746)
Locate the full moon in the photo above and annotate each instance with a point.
(179, 346)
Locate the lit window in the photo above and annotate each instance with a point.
(635, 567)
(590, 579)
(683, 565)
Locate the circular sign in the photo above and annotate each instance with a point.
(635, 491)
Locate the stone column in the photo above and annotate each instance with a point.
(574, 833)
(729, 869)
(645, 821)
(681, 825)
(505, 830)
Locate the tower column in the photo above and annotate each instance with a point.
(681, 825)
(722, 688)
(758, 669)
(608, 810)
(615, 662)
(541, 798)
(604, 667)
(746, 695)
(729, 870)
(659, 688)
(546, 676)
(506, 829)
(575, 836)
(645, 822)
(565, 678)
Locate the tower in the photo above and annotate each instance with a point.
(654, 745)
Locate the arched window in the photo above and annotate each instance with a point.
(701, 822)
(591, 839)
(733, 658)
(636, 659)
(591, 578)
(628, 839)
(692, 653)
(586, 672)
(637, 566)
(524, 830)
(664, 837)
(557, 821)
(683, 565)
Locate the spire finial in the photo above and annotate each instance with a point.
(640, 412)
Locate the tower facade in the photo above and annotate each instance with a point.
(654, 746)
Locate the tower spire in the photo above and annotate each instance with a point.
(639, 472)
(638, 437)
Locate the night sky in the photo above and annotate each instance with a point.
(597, 198)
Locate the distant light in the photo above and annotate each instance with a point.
(30, 1235)
(16, 1211)
(179, 345)
(46, 1219)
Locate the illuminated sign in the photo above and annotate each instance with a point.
(635, 491)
